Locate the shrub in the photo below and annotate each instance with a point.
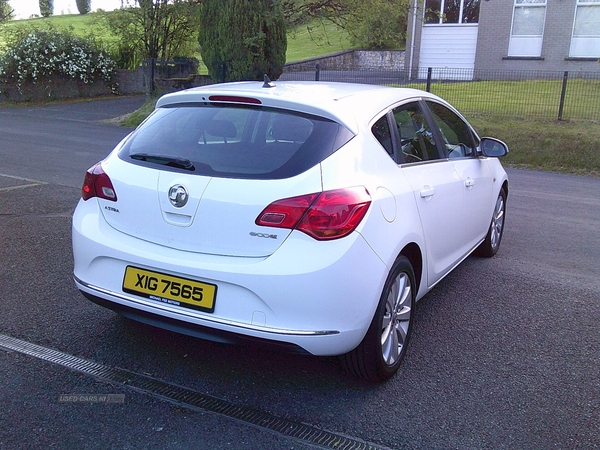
(125, 54)
(47, 53)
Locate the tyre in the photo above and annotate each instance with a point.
(491, 244)
(378, 357)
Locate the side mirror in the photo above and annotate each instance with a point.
(493, 148)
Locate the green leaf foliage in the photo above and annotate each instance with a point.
(243, 40)
(377, 24)
(5, 11)
(157, 29)
(372, 24)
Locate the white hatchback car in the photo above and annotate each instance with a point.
(307, 215)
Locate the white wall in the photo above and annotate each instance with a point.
(448, 46)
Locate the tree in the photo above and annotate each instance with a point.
(243, 40)
(5, 11)
(46, 7)
(377, 23)
(84, 6)
(371, 24)
(159, 29)
(300, 12)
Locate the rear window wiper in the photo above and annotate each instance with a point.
(170, 161)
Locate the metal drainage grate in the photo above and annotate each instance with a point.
(190, 398)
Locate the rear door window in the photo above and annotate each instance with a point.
(381, 131)
(234, 141)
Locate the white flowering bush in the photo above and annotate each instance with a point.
(44, 54)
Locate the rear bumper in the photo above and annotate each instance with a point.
(319, 297)
(182, 327)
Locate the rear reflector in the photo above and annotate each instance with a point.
(323, 216)
(97, 184)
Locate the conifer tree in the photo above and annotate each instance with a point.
(243, 40)
(46, 7)
(84, 6)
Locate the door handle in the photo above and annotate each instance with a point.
(427, 192)
(469, 183)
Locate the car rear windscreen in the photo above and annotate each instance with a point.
(232, 141)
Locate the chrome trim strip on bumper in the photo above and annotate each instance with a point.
(276, 331)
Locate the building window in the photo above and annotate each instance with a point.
(585, 42)
(527, 29)
(451, 11)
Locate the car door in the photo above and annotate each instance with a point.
(437, 188)
(460, 145)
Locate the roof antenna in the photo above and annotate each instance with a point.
(268, 83)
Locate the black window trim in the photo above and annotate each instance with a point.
(439, 140)
(393, 136)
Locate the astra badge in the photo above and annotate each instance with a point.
(178, 196)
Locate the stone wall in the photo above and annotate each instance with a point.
(53, 88)
(133, 82)
(353, 60)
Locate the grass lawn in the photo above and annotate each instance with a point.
(82, 25)
(528, 98)
(549, 145)
(314, 41)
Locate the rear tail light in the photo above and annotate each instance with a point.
(97, 184)
(323, 216)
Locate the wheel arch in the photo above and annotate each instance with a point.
(505, 187)
(414, 255)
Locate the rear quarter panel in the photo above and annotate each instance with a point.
(393, 220)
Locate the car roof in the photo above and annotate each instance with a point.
(346, 103)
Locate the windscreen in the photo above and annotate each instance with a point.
(232, 141)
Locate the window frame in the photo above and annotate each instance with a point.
(393, 135)
(441, 14)
(580, 43)
(443, 154)
(527, 45)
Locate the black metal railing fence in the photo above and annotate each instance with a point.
(558, 95)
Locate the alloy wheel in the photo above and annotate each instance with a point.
(396, 319)
(497, 223)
